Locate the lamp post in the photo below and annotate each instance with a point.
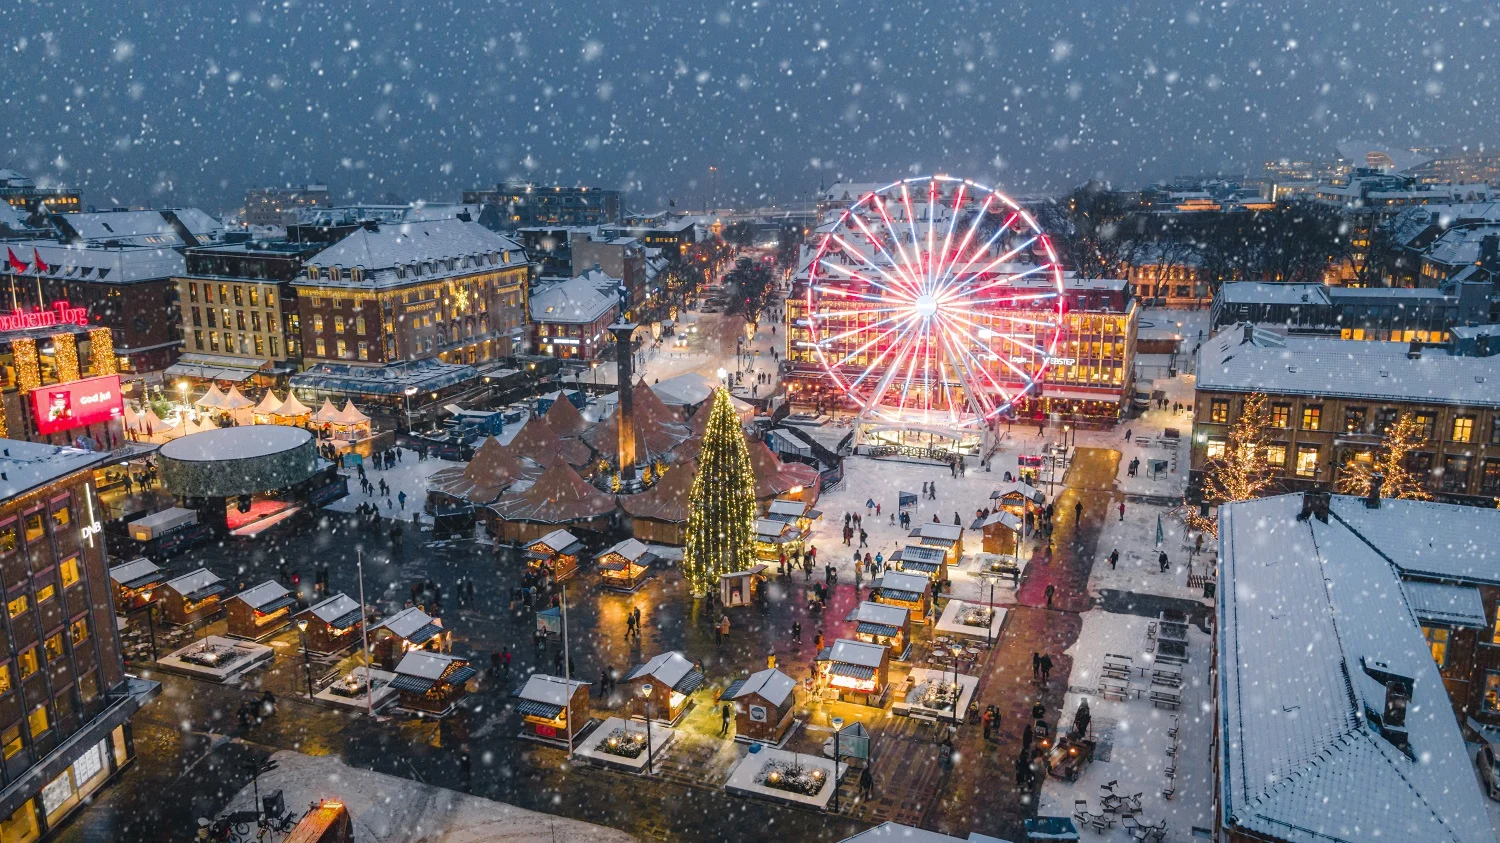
(408, 393)
(955, 649)
(838, 726)
(150, 622)
(650, 762)
(182, 389)
(307, 658)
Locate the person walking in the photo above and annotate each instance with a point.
(1051, 590)
(401, 497)
(1161, 560)
(797, 632)
(724, 626)
(637, 613)
(1046, 668)
(1077, 512)
(505, 661)
(807, 566)
(866, 783)
(629, 627)
(1036, 665)
(1122, 510)
(989, 714)
(818, 642)
(1114, 558)
(864, 538)
(724, 714)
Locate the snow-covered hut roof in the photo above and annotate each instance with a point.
(771, 685)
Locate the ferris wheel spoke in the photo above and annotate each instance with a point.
(963, 244)
(964, 275)
(979, 365)
(971, 391)
(976, 283)
(874, 239)
(898, 285)
(866, 346)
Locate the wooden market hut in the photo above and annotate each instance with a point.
(408, 630)
(672, 678)
(773, 538)
(776, 479)
(883, 624)
(559, 498)
(259, 612)
(332, 624)
(191, 597)
(548, 703)
(1001, 531)
(432, 683)
(625, 566)
(799, 513)
(949, 537)
(134, 583)
(659, 515)
(930, 562)
(855, 668)
(912, 592)
(738, 588)
(492, 470)
(763, 705)
(557, 553)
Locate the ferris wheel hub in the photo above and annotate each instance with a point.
(925, 305)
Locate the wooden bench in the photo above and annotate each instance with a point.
(1166, 699)
(1109, 690)
(1166, 680)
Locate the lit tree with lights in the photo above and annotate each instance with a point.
(721, 502)
(1400, 440)
(1242, 472)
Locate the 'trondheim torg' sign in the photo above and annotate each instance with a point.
(59, 314)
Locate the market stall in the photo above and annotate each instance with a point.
(624, 566)
(930, 562)
(237, 407)
(134, 582)
(1001, 531)
(559, 499)
(672, 678)
(774, 538)
(432, 683)
(886, 625)
(912, 592)
(407, 630)
(854, 669)
(259, 612)
(555, 553)
(332, 624)
(547, 704)
(352, 425)
(291, 412)
(763, 704)
(191, 597)
(948, 537)
(738, 588)
(265, 412)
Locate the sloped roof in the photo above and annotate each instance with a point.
(1460, 605)
(492, 470)
(1312, 604)
(334, 608)
(573, 301)
(553, 690)
(140, 569)
(233, 400)
(97, 264)
(856, 652)
(212, 398)
(436, 241)
(898, 581)
(667, 501)
(269, 404)
(557, 540)
(406, 623)
(194, 581)
(292, 407)
(559, 496)
(537, 440)
(326, 413)
(771, 685)
(882, 613)
(264, 594)
(564, 418)
(631, 549)
(773, 477)
(672, 668)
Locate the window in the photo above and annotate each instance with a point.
(239, 296)
(38, 723)
(317, 322)
(54, 647)
(1425, 424)
(1307, 460)
(1463, 429)
(1281, 415)
(18, 605)
(359, 324)
(255, 320)
(224, 295)
(88, 686)
(192, 292)
(1437, 641)
(1455, 473)
(274, 352)
(12, 740)
(239, 319)
(5, 682)
(1384, 418)
(28, 662)
(1420, 464)
(213, 341)
(1276, 454)
(197, 340)
(1491, 695)
(338, 324)
(213, 318)
(208, 293)
(1218, 410)
(364, 350)
(254, 296)
(78, 631)
(1216, 445)
(260, 346)
(1489, 479)
(1312, 416)
(45, 593)
(343, 349)
(318, 344)
(61, 517)
(8, 538)
(1354, 419)
(34, 528)
(69, 570)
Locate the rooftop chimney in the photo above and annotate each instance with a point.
(1314, 505)
(1372, 500)
(371, 225)
(1414, 351)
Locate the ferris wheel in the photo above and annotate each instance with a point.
(934, 301)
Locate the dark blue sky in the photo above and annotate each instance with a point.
(146, 101)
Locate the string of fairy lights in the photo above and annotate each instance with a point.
(721, 502)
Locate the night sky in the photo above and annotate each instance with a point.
(151, 102)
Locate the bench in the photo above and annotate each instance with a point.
(1163, 657)
(1166, 680)
(1166, 699)
(1118, 690)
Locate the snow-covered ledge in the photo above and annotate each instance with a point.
(749, 775)
(592, 747)
(954, 614)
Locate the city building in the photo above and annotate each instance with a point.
(513, 205)
(171, 228)
(672, 237)
(65, 698)
(279, 206)
(1413, 233)
(1169, 275)
(618, 257)
(1331, 721)
(1370, 197)
(1332, 399)
(21, 192)
(1459, 165)
(550, 248)
(570, 317)
(1400, 314)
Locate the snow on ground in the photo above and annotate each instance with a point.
(386, 809)
(1132, 735)
(409, 476)
(1138, 570)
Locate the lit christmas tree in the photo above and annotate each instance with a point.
(721, 503)
(1242, 472)
(1400, 440)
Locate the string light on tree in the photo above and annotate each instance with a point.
(65, 356)
(28, 365)
(721, 502)
(1242, 471)
(102, 352)
(1399, 441)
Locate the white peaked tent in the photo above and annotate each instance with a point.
(235, 401)
(269, 406)
(132, 419)
(212, 398)
(326, 414)
(351, 415)
(291, 408)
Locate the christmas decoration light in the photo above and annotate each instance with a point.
(28, 365)
(102, 350)
(1242, 472)
(65, 357)
(721, 502)
(1400, 440)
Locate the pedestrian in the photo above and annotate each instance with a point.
(1122, 510)
(1127, 434)
(877, 510)
(402, 498)
(557, 663)
(1036, 665)
(1198, 543)
(985, 720)
(1046, 668)
(724, 714)
(1114, 558)
(866, 783)
(1051, 590)
(796, 632)
(818, 642)
(629, 626)
(1077, 512)
(864, 538)
(494, 662)
(505, 661)
(637, 613)
(807, 566)
(1161, 560)
(724, 626)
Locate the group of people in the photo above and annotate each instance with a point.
(854, 526)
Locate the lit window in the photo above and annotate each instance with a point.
(1463, 429)
(54, 645)
(317, 322)
(318, 343)
(61, 517)
(5, 682)
(8, 538)
(1276, 454)
(1491, 695)
(1437, 641)
(69, 569)
(45, 593)
(79, 631)
(343, 349)
(364, 350)
(12, 740)
(34, 527)
(338, 324)
(29, 662)
(18, 605)
(1307, 460)
(1216, 447)
(1312, 417)
(37, 724)
(359, 324)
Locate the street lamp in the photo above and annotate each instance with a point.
(409, 392)
(955, 649)
(650, 762)
(307, 658)
(838, 726)
(182, 387)
(150, 622)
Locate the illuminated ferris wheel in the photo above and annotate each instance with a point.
(934, 301)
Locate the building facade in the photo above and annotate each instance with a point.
(21, 192)
(65, 699)
(279, 206)
(1331, 401)
(1396, 314)
(514, 205)
(570, 317)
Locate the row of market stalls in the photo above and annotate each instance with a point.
(216, 408)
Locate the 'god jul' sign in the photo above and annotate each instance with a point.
(60, 314)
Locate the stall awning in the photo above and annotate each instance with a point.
(214, 367)
(868, 628)
(414, 684)
(205, 593)
(345, 621)
(689, 683)
(1458, 605)
(533, 708)
(919, 567)
(853, 671)
(897, 594)
(424, 633)
(274, 605)
(460, 675)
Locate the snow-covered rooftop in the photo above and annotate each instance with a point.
(856, 652)
(574, 301)
(260, 595)
(334, 608)
(27, 465)
(1311, 608)
(140, 568)
(881, 613)
(406, 622)
(1298, 365)
(553, 690)
(669, 667)
(1426, 538)
(194, 582)
(426, 664)
(100, 265)
(771, 685)
(1258, 292)
(439, 248)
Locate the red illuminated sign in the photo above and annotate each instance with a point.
(69, 405)
(60, 314)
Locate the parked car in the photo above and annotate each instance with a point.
(1489, 770)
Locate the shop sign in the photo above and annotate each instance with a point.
(71, 405)
(546, 731)
(1062, 361)
(59, 314)
(91, 527)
